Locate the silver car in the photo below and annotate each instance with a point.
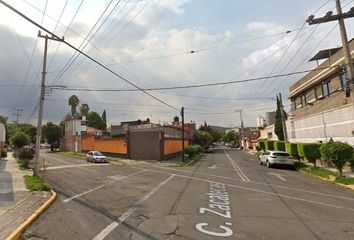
(270, 158)
(95, 156)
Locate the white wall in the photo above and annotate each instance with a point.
(337, 123)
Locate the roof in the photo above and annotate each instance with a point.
(324, 54)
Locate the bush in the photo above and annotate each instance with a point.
(261, 145)
(269, 145)
(258, 148)
(203, 138)
(19, 139)
(337, 153)
(309, 151)
(26, 153)
(192, 150)
(279, 146)
(3, 152)
(291, 148)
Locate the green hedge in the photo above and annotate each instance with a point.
(269, 145)
(309, 151)
(279, 146)
(261, 145)
(192, 150)
(291, 148)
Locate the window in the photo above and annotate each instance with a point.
(304, 100)
(343, 80)
(326, 89)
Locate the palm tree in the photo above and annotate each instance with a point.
(73, 102)
(84, 109)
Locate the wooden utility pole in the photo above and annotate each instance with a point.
(242, 136)
(340, 16)
(41, 102)
(182, 115)
(283, 119)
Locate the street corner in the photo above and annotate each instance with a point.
(27, 211)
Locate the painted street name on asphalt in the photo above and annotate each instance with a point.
(219, 205)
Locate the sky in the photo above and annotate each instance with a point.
(160, 43)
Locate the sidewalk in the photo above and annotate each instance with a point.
(16, 202)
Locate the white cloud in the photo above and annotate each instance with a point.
(265, 27)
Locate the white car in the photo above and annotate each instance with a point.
(270, 158)
(95, 156)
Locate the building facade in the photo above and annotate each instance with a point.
(2, 136)
(321, 108)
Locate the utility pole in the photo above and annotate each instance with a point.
(182, 115)
(242, 136)
(283, 119)
(41, 102)
(17, 114)
(340, 16)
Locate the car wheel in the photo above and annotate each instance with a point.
(268, 164)
(260, 162)
(87, 160)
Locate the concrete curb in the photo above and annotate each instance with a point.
(20, 229)
(351, 187)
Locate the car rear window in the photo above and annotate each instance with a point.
(281, 154)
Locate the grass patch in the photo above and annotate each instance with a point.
(191, 160)
(22, 165)
(320, 172)
(36, 184)
(72, 154)
(345, 180)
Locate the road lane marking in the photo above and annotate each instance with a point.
(260, 183)
(101, 186)
(77, 165)
(270, 193)
(237, 168)
(107, 230)
(278, 175)
(213, 167)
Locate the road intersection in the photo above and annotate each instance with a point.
(226, 195)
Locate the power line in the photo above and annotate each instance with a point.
(288, 63)
(190, 86)
(92, 59)
(76, 54)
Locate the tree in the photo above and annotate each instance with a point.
(84, 109)
(104, 118)
(278, 125)
(214, 133)
(337, 153)
(30, 130)
(19, 139)
(11, 129)
(232, 136)
(52, 133)
(73, 102)
(94, 120)
(3, 120)
(203, 138)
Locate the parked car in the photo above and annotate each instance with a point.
(209, 149)
(95, 156)
(270, 158)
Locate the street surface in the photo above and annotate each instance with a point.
(226, 195)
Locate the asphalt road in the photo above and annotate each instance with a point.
(226, 195)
